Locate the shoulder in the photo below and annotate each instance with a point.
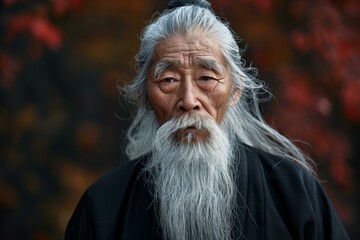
(272, 164)
(284, 181)
(294, 193)
(116, 176)
(107, 195)
(115, 180)
(97, 212)
(277, 170)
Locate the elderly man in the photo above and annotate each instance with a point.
(205, 165)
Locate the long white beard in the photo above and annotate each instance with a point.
(193, 181)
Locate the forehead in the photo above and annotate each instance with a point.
(189, 49)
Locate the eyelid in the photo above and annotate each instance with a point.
(168, 78)
(210, 74)
(163, 76)
(207, 76)
(168, 86)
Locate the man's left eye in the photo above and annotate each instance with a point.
(206, 78)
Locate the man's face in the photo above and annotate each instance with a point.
(189, 76)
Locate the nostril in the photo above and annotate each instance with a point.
(182, 109)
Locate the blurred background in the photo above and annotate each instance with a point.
(62, 121)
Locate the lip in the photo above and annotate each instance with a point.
(188, 130)
(194, 133)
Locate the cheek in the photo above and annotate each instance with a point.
(221, 110)
(160, 103)
(221, 104)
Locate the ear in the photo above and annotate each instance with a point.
(235, 96)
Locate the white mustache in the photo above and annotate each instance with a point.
(183, 122)
(186, 121)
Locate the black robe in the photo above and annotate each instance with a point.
(277, 199)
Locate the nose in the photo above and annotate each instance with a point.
(188, 101)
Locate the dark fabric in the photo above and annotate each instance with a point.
(277, 199)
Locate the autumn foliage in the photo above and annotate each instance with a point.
(61, 123)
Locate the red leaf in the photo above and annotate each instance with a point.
(60, 7)
(296, 88)
(46, 33)
(8, 69)
(323, 106)
(9, 3)
(261, 5)
(39, 28)
(301, 41)
(16, 24)
(342, 174)
(351, 101)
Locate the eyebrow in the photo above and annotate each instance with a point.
(210, 64)
(163, 65)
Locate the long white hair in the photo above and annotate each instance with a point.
(244, 118)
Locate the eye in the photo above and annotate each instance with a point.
(207, 83)
(207, 78)
(168, 84)
(169, 80)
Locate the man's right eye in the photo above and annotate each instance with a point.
(168, 84)
(169, 80)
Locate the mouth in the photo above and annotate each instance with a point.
(191, 134)
(189, 129)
